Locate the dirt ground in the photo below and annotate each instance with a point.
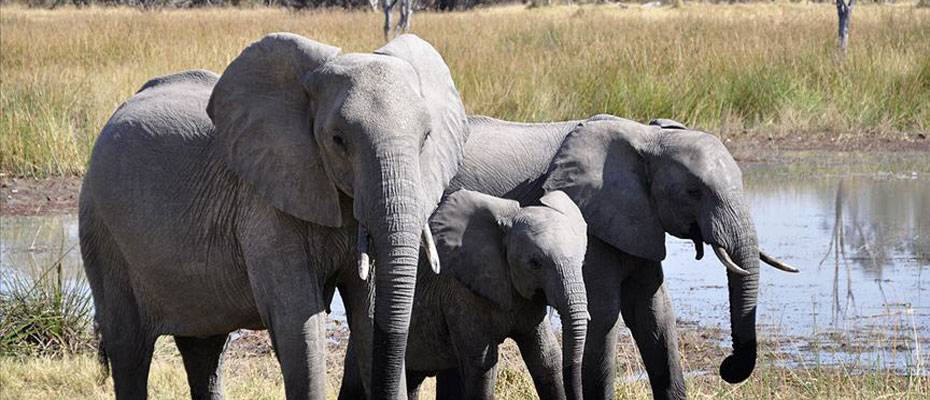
(30, 196)
(755, 147)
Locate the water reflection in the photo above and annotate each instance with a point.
(31, 247)
(862, 242)
(862, 245)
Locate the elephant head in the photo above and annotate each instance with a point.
(634, 183)
(305, 125)
(499, 250)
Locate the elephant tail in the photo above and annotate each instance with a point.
(102, 357)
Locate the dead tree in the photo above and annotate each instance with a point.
(844, 10)
(403, 23)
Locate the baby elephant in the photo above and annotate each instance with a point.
(502, 264)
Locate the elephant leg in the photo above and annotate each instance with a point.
(126, 341)
(479, 372)
(479, 380)
(476, 353)
(414, 380)
(647, 311)
(290, 299)
(203, 361)
(352, 386)
(357, 298)
(300, 346)
(603, 276)
(449, 385)
(543, 358)
(130, 359)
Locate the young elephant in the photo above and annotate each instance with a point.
(501, 266)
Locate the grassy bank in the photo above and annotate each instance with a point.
(257, 376)
(739, 70)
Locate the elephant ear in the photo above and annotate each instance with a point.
(600, 167)
(667, 123)
(560, 202)
(469, 229)
(262, 117)
(443, 150)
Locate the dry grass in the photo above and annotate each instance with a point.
(736, 69)
(256, 376)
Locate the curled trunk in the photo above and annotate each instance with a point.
(732, 230)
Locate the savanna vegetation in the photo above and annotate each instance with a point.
(749, 72)
(743, 71)
(251, 372)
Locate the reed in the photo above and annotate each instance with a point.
(45, 314)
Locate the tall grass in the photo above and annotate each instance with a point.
(735, 69)
(46, 315)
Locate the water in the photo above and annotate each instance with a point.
(866, 302)
(32, 246)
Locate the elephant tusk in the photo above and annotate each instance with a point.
(778, 264)
(727, 261)
(364, 262)
(431, 254)
(698, 249)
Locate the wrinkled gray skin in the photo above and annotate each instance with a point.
(218, 203)
(502, 265)
(633, 183)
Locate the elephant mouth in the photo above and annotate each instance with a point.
(694, 234)
(364, 260)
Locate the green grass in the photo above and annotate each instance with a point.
(45, 312)
(734, 69)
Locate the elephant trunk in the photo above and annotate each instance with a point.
(395, 225)
(734, 237)
(571, 301)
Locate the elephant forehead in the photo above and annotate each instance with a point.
(377, 92)
(551, 230)
(706, 157)
(371, 70)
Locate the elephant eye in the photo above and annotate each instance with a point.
(426, 136)
(534, 264)
(339, 141)
(694, 193)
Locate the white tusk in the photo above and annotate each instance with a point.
(364, 263)
(727, 262)
(778, 264)
(431, 254)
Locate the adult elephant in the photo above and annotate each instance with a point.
(218, 203)
(633, 183)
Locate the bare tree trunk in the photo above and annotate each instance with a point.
(844, 10)
(406, 12)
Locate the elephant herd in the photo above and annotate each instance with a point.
(245, 200)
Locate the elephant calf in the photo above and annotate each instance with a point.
(502, 265)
